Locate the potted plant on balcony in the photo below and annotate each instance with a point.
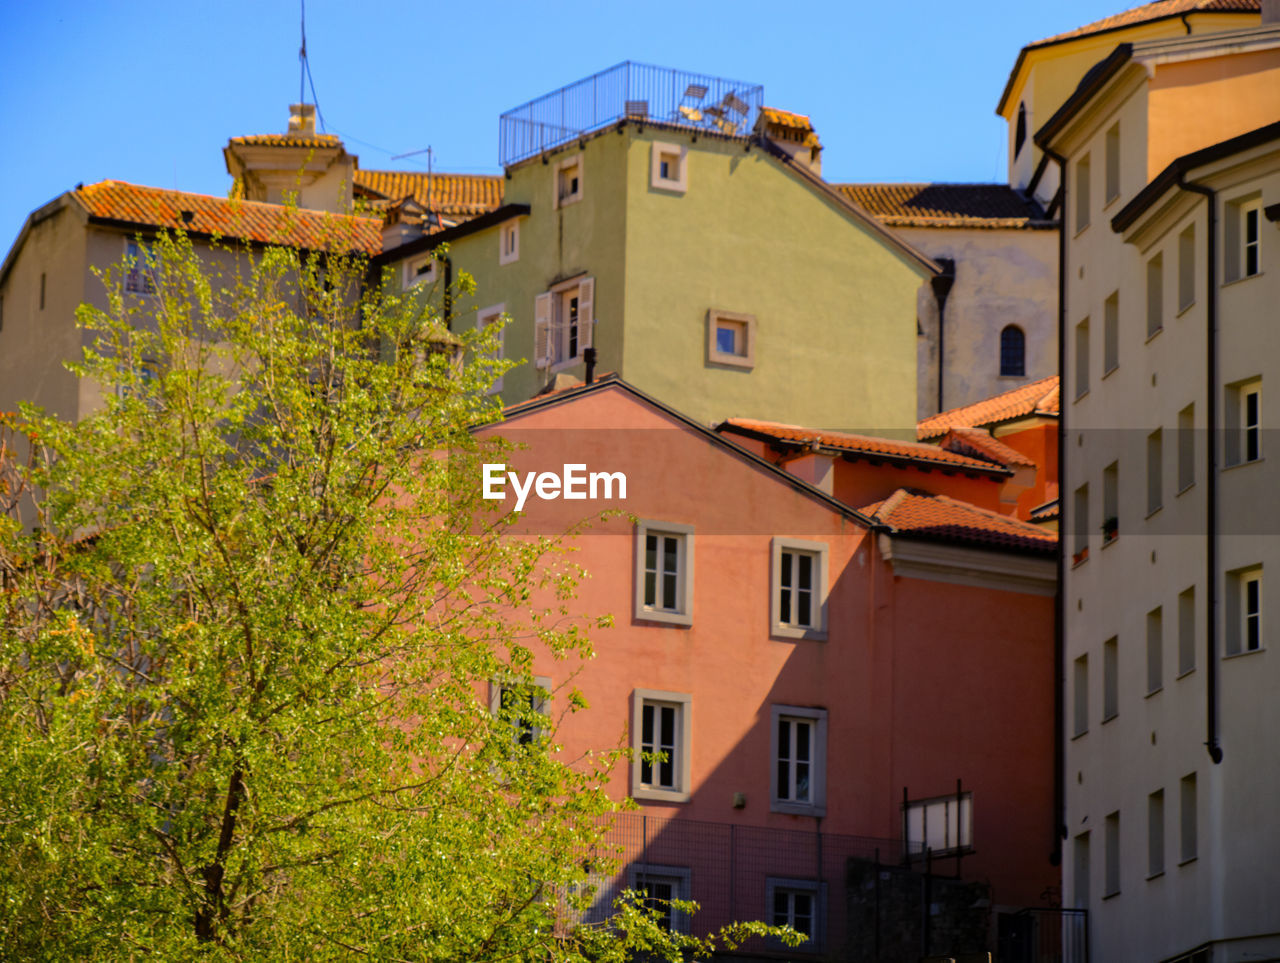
(1110, 529)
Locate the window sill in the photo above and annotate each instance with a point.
(1154, 692)
(1079, 735)
(1111, 200)
(1107, 542)
(1011, 377)
(643, 795)
(1081, 394)
(1241, 279)
(1111, 895)
(796, 809)
(1188, 861)
(1241, 655)
(664, 618)
(1184, 489)
(1110, 718)
(1151, 336)
(1185, 308)
(1110, 371)
(793, 633)
(668, 186)
(1241, 464)
(1080, 230)
(731, 361)
(1152, 513)
(1155, 876)
(1183, 675)
(562, 365)
(1077, 562)
(566, 201)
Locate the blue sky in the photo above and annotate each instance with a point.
(149, 92)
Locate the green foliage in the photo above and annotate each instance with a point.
(247, 645)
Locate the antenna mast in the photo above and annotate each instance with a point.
(302, 57)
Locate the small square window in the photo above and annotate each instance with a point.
(420, 270)
(800, 904)
(659, 885)
(661, 740)
(1243, 438)
(484, 318)
(664, 572)
(799, 597)
(798, 745)
(731, 339)
(568, 182)
(1242, 233)
(564, 324)
(669, 167)
(1244, 610)
(509, 242)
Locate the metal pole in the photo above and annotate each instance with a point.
(926, 883)
(877, 904)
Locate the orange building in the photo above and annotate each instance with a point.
(824, 685)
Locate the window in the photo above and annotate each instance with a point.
(1111, 333)
(1111, 841)
(799, 597)
(1082, 193)
(1110, 503)
(509, 242)
(1080, 688)
(1155, 833)
(1187, 630)
(1080, 872)
(1113, 163)
(141, 277)
(943, 825)
(731, 339)
(42, 289)
(1243, 233)
(568, 182)
(798, 748)
(800, 904)
(669, 167)
(664, 572)
(1186, 447)
(524, 706)
(564, 323)
(484, 318)
(1187, 268)
(1155, 470)
(1082, 357)
(1020, 131)
(420, 270)
(1155, 294)
(660, 727)
(1187, 798)
(1244, 610)
(1243, 438)
(1013, 352)
(659, 885)
(1155, 649)
(1080, 525)
(1110, 678)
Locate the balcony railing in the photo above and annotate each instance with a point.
(628, 90)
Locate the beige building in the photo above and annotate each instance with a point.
(1172, 264)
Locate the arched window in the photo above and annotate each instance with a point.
(1020, 132)
(1013, 351)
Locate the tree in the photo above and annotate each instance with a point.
(248, 640)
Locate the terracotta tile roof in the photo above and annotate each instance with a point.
(978, 443)
(157, 208)
(1035, 398)
(938, 517)
(867, 446)
(288, 140)
(453, 195)
(1152, 11)
(1046, 512)
(946, 205)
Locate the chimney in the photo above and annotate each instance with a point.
(302, 119)
(405, 220)
(1271, 11)
(794, 133)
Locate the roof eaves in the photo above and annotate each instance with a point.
(799, 484)
(429, 242)
(1178, 168)
(1094, 80)
(913, 254)
(41, 213)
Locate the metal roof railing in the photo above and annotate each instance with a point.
(628, 90)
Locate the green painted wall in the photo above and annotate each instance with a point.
(835, 304)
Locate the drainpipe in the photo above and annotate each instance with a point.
(941, 284)
(1059, 603)
(589, 356)
(1211, 468)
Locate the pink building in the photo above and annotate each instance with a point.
(838, 665)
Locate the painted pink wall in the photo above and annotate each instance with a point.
(923, 681)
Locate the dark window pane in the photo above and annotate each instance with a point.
(784, 779)
(1013, 349)
(802, 741)
(806, 571)
(725, 342)
(802, 782)
(668, 726)
(646, 726)
(669, 591)
(786, 568)
(784, 604)
(804, 615)
(650, 589)
(780, 908)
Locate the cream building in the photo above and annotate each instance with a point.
(1171, 764)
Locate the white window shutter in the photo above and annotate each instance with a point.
(586, 312)
(542, 330)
